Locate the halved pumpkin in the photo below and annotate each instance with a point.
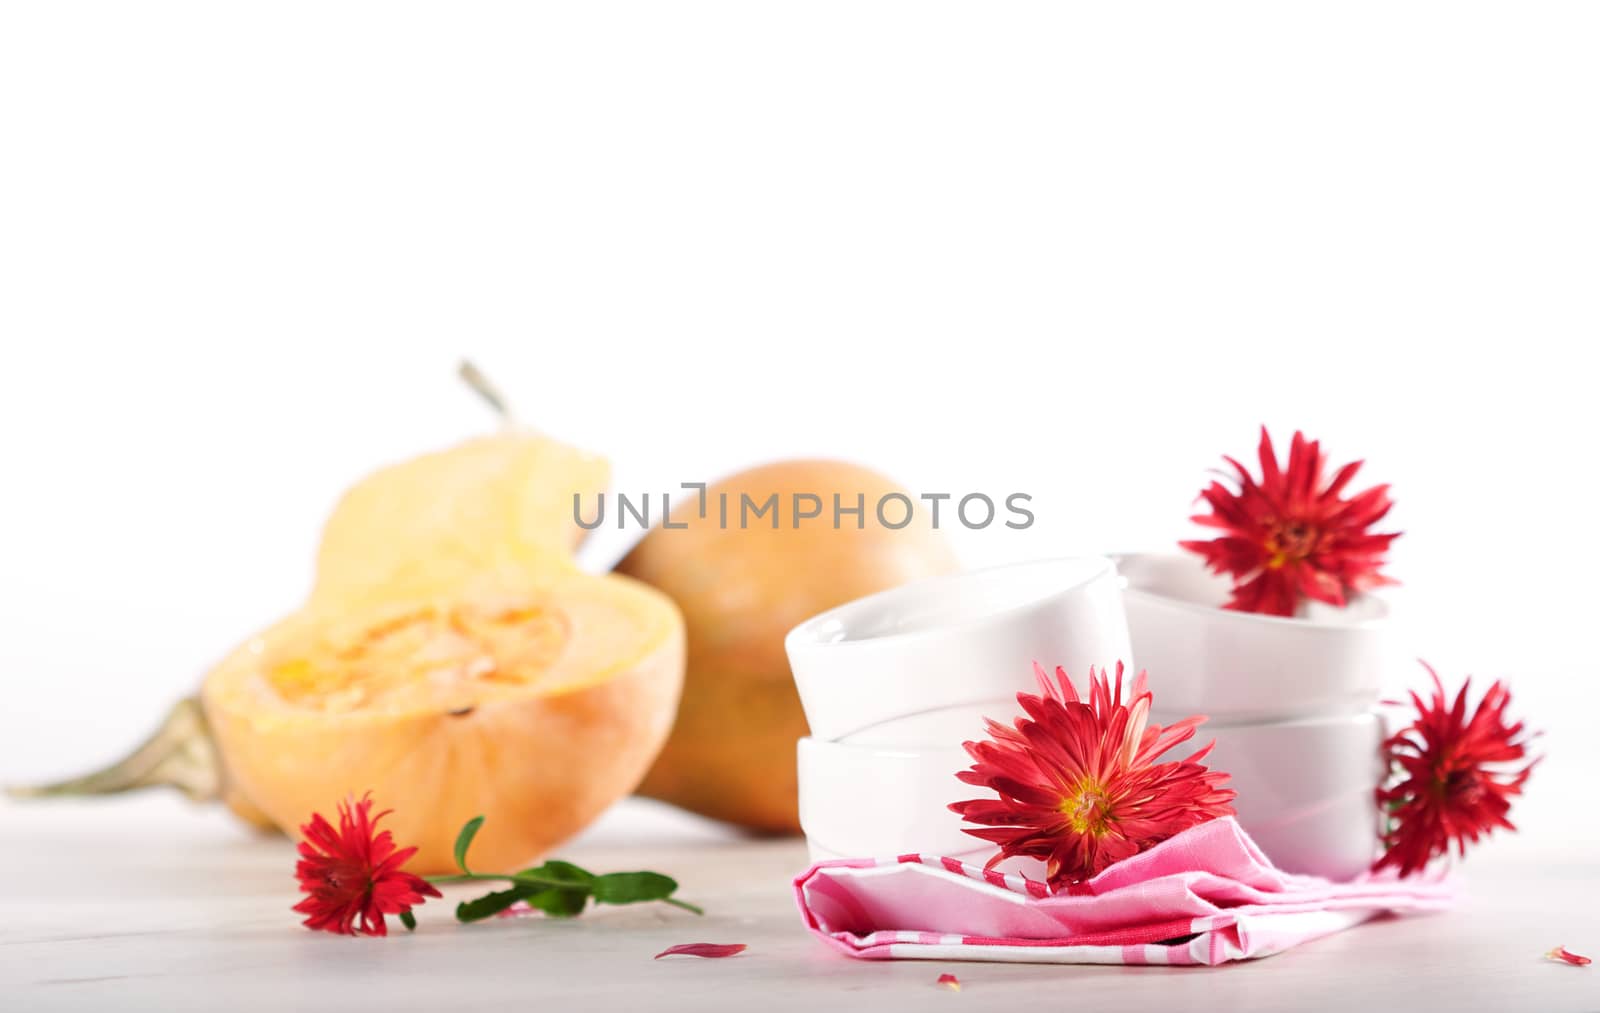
(501, 500)
(535, 700)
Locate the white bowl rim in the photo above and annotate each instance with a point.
(803, 635)
(1355, 719)
(1131, 590)
(886, 752)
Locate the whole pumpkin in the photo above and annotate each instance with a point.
(741, 587)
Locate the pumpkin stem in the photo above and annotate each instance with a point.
(485, 388)
(180, 754)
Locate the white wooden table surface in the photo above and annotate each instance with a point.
(149, 903)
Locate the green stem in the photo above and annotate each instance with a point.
(565, 884)
(180, 753)
(477, 877)
(485, 388)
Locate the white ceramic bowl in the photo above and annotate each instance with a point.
(872, 802)
(1305, 788)
(956, 640)
(1305, 794)
(1237, 666)
(878, 802)
(949, 726)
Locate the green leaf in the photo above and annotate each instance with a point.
(559, 889)
(469, 830)
(632, 887)
(556, 869)
(409, 920)
(491, 904)
(560, 902)
(555, 901)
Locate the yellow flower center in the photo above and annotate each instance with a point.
(1088, 808)
(1289, 541)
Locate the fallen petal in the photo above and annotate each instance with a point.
(701, 950)
(950, 981)
(1566, 956)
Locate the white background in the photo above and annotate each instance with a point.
(1076, 253)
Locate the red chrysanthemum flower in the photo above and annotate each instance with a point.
(1293, 535)
(1452, 777)
(355, 873)
(1078, 783)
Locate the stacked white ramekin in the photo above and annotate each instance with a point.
(1291, 702)
(892, 684)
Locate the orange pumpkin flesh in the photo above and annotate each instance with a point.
(731, 754)
(537, 702)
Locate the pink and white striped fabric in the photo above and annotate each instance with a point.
(1206, 896)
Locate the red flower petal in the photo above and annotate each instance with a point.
(1078, 780)
(949, 981)
(1453, 776)
(353, 877)
(1566, 956)
(1293, 535)
(701, 950)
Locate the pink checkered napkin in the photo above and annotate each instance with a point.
(1206, 896)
